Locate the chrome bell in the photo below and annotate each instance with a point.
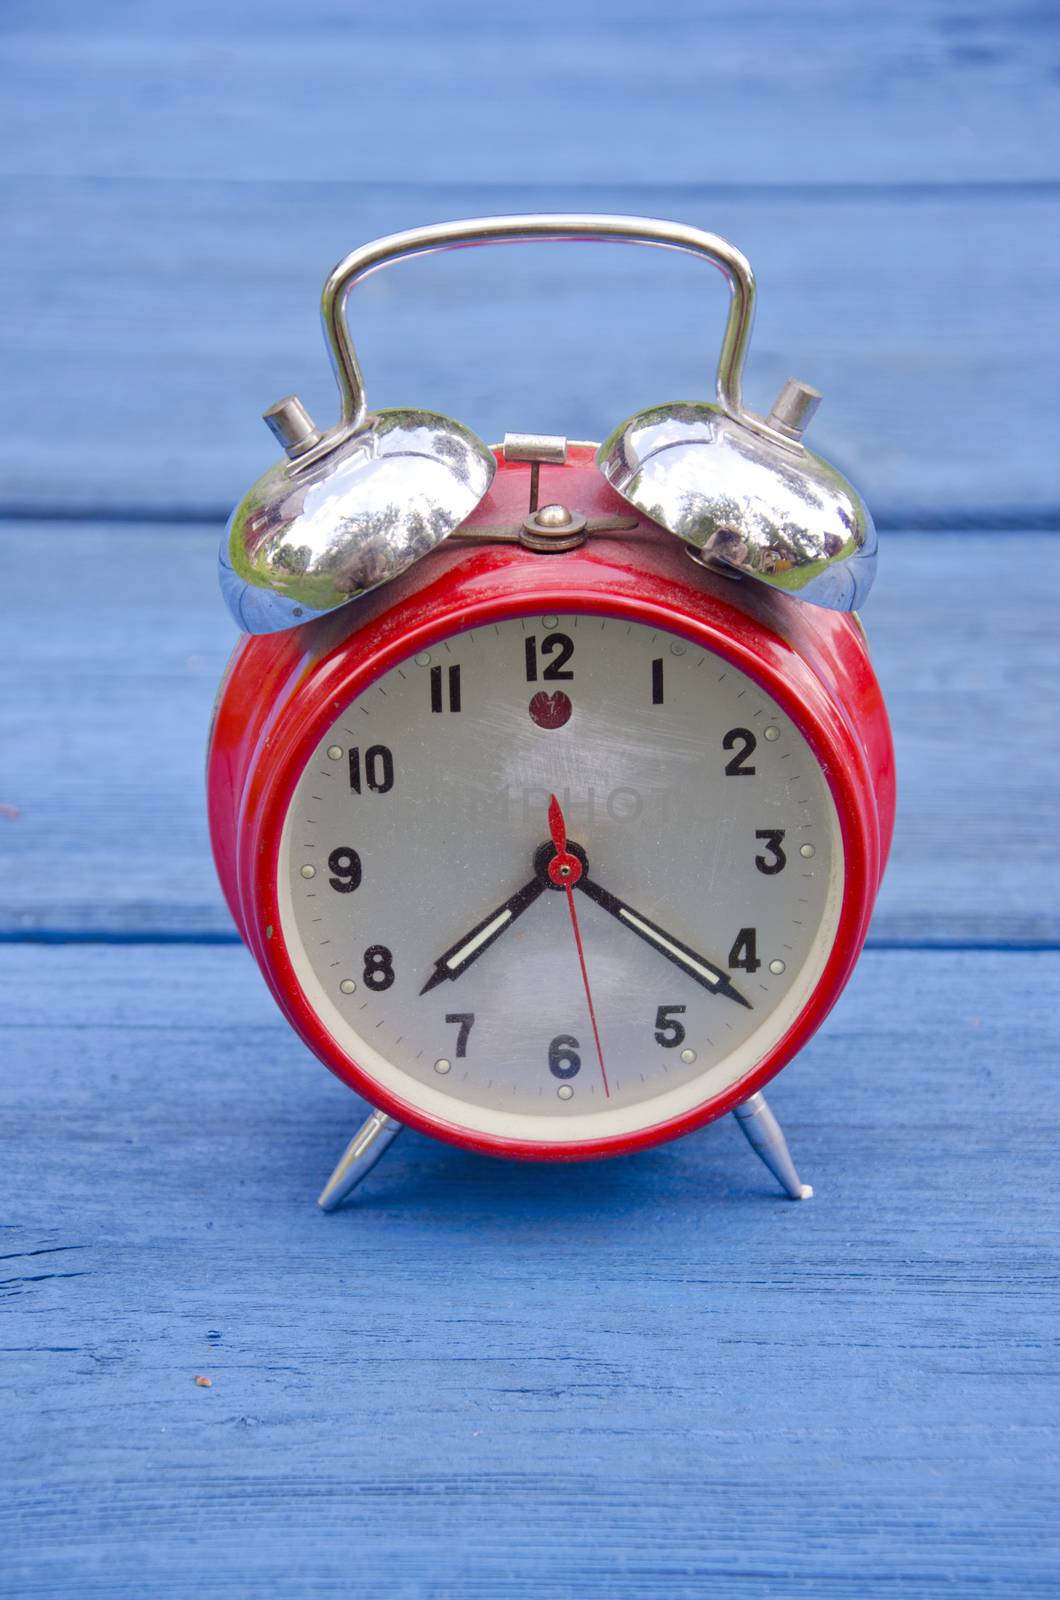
(303, 542)
(742, 490)
(739, 498)
(351, 508)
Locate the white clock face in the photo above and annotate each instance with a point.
(480, 968)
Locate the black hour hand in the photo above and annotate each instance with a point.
(459, 956)
(695, 966)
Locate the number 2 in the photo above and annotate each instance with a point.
(743, 741)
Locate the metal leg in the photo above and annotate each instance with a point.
(764, 1135)
(371, 1141)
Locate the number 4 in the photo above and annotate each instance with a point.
(744, 952)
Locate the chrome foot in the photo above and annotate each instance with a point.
(764, 1135)
(371, 1141)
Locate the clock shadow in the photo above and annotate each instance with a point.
(452, 1188)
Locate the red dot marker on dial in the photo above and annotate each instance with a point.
(550, 710)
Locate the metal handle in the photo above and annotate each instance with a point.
(359, 264)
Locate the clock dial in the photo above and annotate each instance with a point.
(560, 877)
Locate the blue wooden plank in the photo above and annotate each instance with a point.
(117, 637)
(137, 382)
(641, 1378)
(650, 1376)
(760, 91)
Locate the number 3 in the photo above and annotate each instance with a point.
(774, 860)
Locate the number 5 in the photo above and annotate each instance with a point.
(668, 1031)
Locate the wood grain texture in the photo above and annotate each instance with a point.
(917, 90)
(136, 384)
(641, 1377)
(633, 1379)
(112, 668)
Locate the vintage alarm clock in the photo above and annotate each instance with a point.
(551, 786)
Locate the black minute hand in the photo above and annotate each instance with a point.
(459, 956)
(716, 979)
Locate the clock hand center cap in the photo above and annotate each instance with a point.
(561, 869)
(564, 869)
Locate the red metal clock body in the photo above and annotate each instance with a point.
(284, 691)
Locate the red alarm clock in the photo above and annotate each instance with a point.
(552, 785)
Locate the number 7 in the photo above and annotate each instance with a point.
(466, 1019)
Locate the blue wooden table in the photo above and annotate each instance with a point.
(639, 1378)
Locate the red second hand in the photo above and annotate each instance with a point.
(565, 869)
